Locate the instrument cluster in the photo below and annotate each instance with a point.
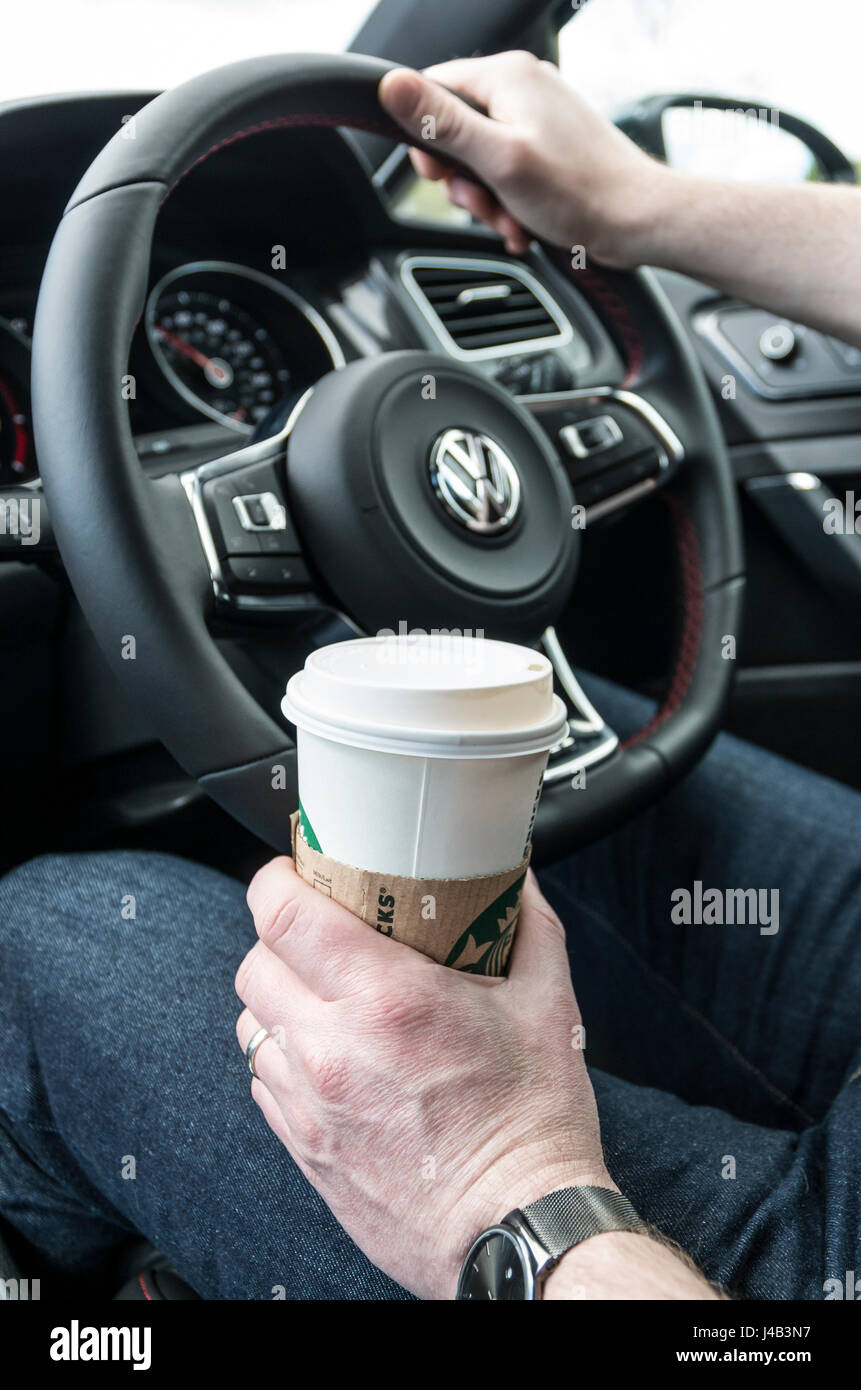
(232, 342)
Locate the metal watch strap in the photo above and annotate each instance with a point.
(564, 1218)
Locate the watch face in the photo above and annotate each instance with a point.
(496, 1267)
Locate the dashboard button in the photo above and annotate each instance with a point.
(850, 356)
(778, 342)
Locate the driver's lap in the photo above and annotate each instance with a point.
(126, 1102)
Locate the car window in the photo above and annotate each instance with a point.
(121, 45)
(787, 54)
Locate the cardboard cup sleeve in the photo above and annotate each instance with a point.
(465, 923)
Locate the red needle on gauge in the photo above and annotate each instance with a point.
(217, 372)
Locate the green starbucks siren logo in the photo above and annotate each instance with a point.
(306, 830)
(483, 948)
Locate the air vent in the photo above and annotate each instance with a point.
(484, 308)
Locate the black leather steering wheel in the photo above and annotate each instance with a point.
(139, 552)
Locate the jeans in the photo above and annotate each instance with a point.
(726, 1059)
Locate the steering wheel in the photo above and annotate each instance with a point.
(349, 469)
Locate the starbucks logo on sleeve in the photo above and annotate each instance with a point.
(484, 946)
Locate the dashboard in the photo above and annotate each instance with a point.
(261, 282)
(219, 341)
(289, 256)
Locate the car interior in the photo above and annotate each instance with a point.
(208, 411)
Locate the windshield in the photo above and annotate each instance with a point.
(122, 45)
(789, 54)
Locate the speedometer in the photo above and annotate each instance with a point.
(232, 342)
(221, 355)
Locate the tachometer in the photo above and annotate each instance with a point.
(15, 448)
(17, 457)
(233, 342)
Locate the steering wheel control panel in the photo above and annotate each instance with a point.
(778, 359)
(256, 549)
(614, 445)
(253, 534)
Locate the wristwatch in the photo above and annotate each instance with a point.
(513, 1259)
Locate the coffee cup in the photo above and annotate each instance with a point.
(422, 755)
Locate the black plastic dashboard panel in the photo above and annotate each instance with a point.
(778, 359)
(749, 417)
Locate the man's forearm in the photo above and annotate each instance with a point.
(794, 250)
(623, 1265)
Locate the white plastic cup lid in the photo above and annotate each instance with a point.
(432, 695)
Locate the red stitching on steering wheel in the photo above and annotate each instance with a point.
(386, 128)
(615, 309)
(693, 602)
(687, 541)
(610, 305)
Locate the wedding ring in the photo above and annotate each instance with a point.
(253, 1043)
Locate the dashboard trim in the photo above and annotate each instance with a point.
(598, 740)
(499, 267)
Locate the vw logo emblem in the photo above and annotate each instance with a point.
(475, 480)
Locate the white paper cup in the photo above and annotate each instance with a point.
(423, 755)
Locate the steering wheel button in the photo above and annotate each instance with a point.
(269, 572)
(591, 436)
(277, 542)
(260, 512)
(252, 512)
(633, 471)
(230, 537)
(241, 543)
(594, 490)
